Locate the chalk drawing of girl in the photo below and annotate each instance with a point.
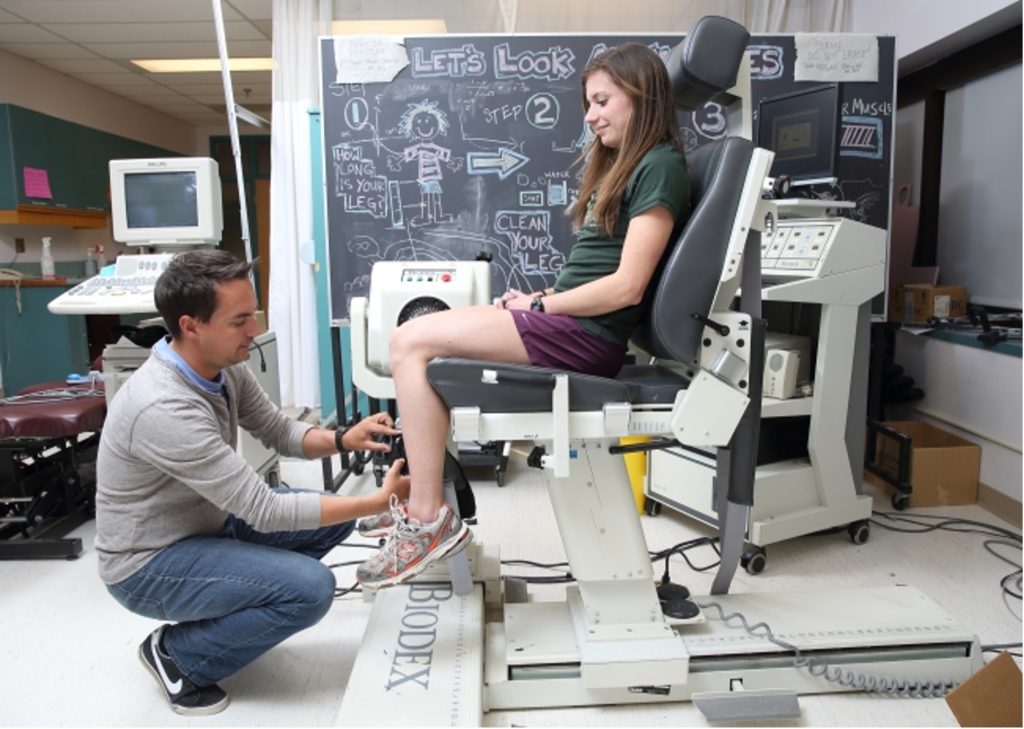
(421, 123)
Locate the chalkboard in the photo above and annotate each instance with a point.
(473, 147)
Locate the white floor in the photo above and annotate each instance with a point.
(67, 650)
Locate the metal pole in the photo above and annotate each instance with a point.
(229, 102)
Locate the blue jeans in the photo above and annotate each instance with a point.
(234, 595)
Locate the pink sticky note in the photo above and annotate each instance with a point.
(37, 183)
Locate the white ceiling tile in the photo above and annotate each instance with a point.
(92, 40)
(243, 78)
(253, 9)
(118, 80)
(115, 32)
(48, 51)
(180, 49)
(87, 11)
(99, 65)
(25, 33)
(266, 27)
(211, 78)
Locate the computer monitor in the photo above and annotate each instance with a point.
(802, 128)
(166, 202)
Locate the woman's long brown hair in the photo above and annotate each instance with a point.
(638, 71)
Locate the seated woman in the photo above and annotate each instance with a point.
(633, 192)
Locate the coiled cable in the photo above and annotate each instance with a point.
(839, 676)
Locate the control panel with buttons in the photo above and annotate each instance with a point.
(796, 249)
(129, 290)
(427, 275)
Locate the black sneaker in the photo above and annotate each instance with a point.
(183, 695)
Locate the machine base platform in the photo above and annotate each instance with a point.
(427, 659)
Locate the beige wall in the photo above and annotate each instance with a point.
(42, 89)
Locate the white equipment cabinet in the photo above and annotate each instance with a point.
(839, 265)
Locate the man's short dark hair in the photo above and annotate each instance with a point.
(188, 285)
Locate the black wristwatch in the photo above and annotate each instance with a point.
(339, 434)
(538, 303)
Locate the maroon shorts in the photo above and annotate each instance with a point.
(560, 342)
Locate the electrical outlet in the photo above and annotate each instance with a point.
(19, 245)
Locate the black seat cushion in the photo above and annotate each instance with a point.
(527, 389)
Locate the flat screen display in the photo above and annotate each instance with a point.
(802, 129)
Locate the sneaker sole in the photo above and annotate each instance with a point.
(183, 710)
(460, 542)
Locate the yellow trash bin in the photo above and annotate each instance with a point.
(636, 467)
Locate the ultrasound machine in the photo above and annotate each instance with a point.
(166, 205)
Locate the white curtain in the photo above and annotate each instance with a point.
(799, 16)
(649, 16)
(292, 305)
(789, 16)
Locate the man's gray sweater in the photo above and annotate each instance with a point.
(168, 469)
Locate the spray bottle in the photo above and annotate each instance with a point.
(46, 260)
(90, 264)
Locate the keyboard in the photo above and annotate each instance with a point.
(128, 291)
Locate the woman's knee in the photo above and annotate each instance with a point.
(405, 345)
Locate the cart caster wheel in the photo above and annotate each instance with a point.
(900, 501)
(754, 560)
(499, 476)
(859, 531)
(651, 507)
(356, 468)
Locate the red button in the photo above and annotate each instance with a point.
(446, 277)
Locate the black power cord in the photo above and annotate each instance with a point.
(998, 536)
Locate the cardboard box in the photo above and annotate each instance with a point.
(916, 303)
(991, 697)
(943, 467)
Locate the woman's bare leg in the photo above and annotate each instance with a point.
(480, 332)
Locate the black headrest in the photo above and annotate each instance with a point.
(707, 61)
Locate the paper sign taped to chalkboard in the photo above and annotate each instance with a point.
(368, 59)
(836, 57)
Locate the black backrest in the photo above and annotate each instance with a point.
(688, 277)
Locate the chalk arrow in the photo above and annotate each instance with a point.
(501, 163)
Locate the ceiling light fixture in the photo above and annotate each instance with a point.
(201, 65)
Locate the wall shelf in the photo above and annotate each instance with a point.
(61, 217)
